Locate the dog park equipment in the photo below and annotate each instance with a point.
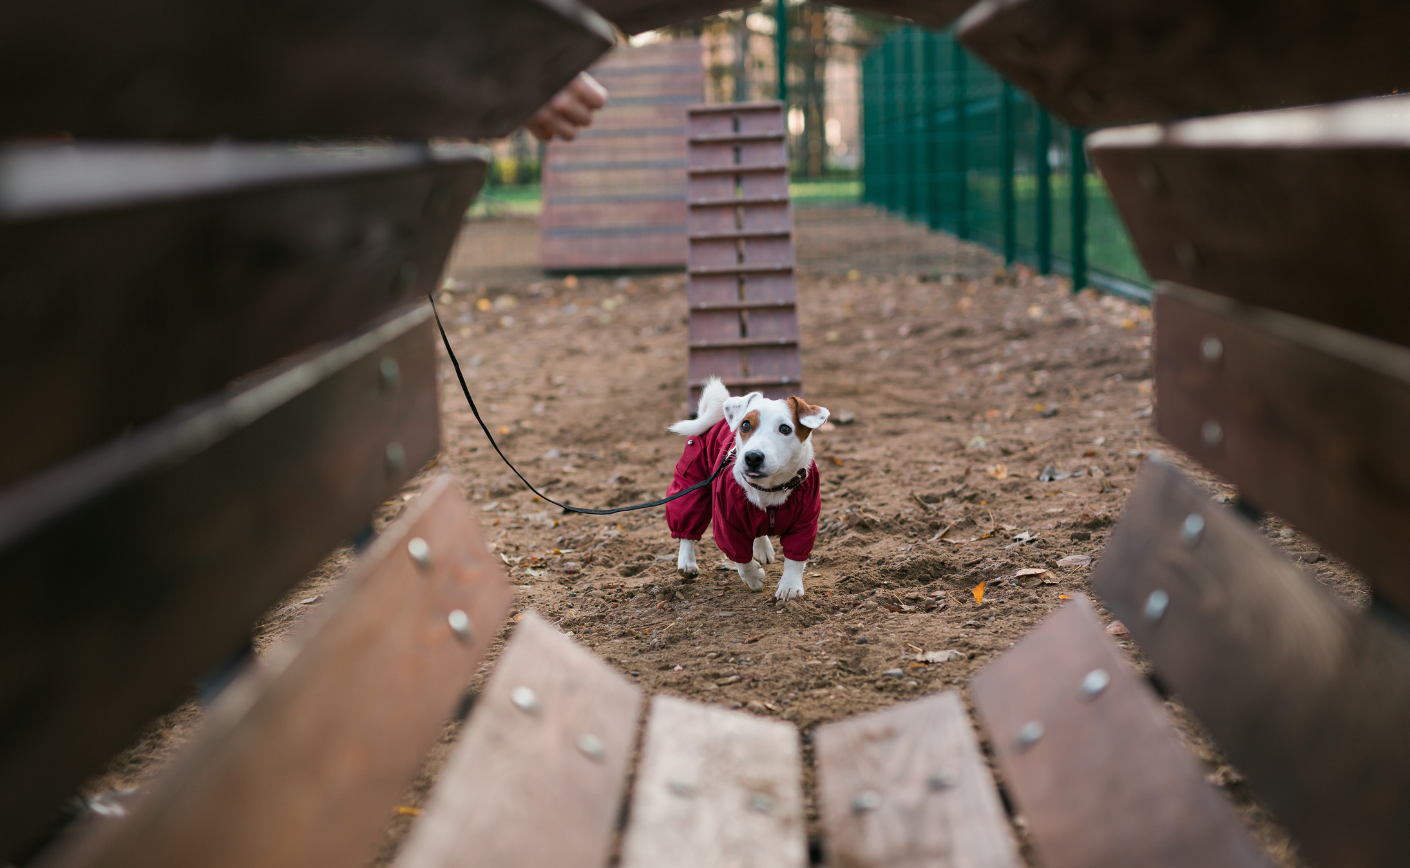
(614, 198)
(742, 296)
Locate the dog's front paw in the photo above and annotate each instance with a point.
(789, 588)
(752, 574)
(764, 550)
(685, 560)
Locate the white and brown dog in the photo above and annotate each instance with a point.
(771, 490)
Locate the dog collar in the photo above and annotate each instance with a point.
(787, 486)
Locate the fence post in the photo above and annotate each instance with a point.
(1006, 145)
(1077, 161)
(781, 52)
(868, 112)
(1043, 141)
(961, 133)
(930, 63)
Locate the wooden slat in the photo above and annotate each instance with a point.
(302, 760)
(1307, 696)
(537, 776)
(1099, 62)
(141, 277)
(1103, 781)
(908, 788)
(1309, 421)
(708, 306)
(130, 570)
(639, 16)
(743, 343)
(716, 787)
(738, 202)
(738, 170)
(1273, 208)
(636, 176)
(198, 70)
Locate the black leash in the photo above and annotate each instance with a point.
(483, 427)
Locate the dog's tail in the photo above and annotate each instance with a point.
(711, 411)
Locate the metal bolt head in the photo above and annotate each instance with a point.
(761, 803)
(938, 782)
(524, 699)
(1029, 735)
(681, 787)
(1212, 432)
(396, 457)
(1156, 604)
(1212, 350)
(591, 746)
(459, 623)
(866, 801)
(1192, 530)
(389, 375)
(420, 552)
(1094, 683)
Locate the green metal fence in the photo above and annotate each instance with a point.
(950, 144)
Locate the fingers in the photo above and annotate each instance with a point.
(593, 95)
(569, 111)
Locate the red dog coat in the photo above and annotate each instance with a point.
(737, 522)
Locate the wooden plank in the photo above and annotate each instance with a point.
(716, 787)
(167, 69)
(1091, 760)
(1308, 420)
(908, 787)
(329, 729)
(1307, 696)
(549, 743)
(1100, 62)
(128, 571)
(631, 172)
(1272, 208)
(144, 276)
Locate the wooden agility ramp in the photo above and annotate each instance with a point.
(742, 294)
(614, 198)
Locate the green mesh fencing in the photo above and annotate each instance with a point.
(950, 144)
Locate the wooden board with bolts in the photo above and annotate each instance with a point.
(1274, 208)
(908, 786)
(1304, 694)
(471, 69)
(742, 295)
(1097, 63)
(1095, 767)
(615, 196)
(548, 742)
(301, 760)
(132, 569)
(139, 277)
(716, 787)
(1309, 421)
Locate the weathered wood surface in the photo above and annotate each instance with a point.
(168, 69)
(138, 277)
(538, 774)
(302, 761)
(1307, 696)
(742, 295)
(639, 16)
(716, 788)
(130, 570)
(1307, 420)
(1274, 208)
(907, 787)
(1102, 62)
(1103, 780)
(615, 197)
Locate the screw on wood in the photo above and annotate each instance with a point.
(396, 457)
(420, 552)
(524, 699)
(459, 623)
(1029, 735)
(1192, 530)
(591, 746)
(865, 801)
(1094, 683)
(1156, 604)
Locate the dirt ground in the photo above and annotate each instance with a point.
(959, 384)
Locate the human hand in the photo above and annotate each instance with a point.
(569, 111)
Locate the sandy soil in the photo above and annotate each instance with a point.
(961, 383)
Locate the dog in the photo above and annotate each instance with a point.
(772, 489)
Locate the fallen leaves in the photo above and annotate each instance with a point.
(1075, 561)
(997, 471)
(1029, 571)
(978, 593)
(938, 656)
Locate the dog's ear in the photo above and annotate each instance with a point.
(806, 416)
(736, 407)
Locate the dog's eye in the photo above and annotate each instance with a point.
(744, 426)
(784, 429)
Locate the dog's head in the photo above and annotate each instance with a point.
(772, 435)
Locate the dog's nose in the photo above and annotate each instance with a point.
(752, 460)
